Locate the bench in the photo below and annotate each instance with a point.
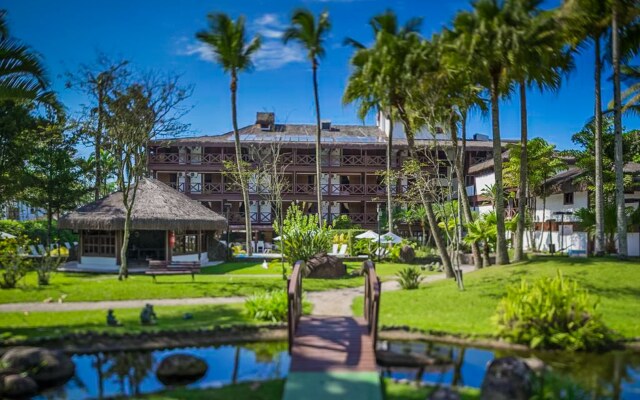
(173, 268)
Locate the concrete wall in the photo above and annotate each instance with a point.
(97, 263)
(555, 203)
(202, 258)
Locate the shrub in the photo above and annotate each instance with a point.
(48, 263)
(270, 306)
(551, 313)
(409, 278)
(13, 266)
(36, 231)
(302, 238)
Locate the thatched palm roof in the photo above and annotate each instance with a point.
(157, 207)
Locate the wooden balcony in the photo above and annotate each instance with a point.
(237, 218)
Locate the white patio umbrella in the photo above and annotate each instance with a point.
(277, 238)
(5, 235)
(389, 237)
(368, 235)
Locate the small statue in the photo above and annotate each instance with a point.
(187, 316)
(111, 319)
(148, 316)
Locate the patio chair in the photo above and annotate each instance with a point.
(334, 250)
(67, 245)
(41, 249)
(260, 246)
(34, 251)
(382, 252)
(343, 250)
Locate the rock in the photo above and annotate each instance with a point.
(46, 367)
(18, 386)
(444, 393)
(507, 378)
(323, 265)
(181, 369)
(407, 254)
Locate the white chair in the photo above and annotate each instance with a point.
(260, 246)
(67, 245)
(34, 251)
(381, 252)
(343, 250)
(41, 249)
(334, 250)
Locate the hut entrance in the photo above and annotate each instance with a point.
(145, 245)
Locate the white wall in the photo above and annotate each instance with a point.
(481, 181)
(202, 258)
(633, 244)
(555, 203)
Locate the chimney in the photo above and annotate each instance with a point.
(266, 121)
(325, 125)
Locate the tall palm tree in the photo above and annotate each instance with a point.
(22, 75)
(234, 53)
(539, 57)
(485, 35)
(630, 74)
(311, 35)
(586, 21)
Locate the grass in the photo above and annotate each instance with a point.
(17, 325)
(272, 390)
(440, 306)
(224, 280)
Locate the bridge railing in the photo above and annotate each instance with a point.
(371, 298)
(294, 301)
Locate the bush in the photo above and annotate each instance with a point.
(270, 306)
(302, 238)
(551, 313)
(409, 278)
(36, 231)
(48, 263)
(13, 266)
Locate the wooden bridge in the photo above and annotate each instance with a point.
(333, 357)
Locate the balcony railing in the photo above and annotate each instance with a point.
(256, 217)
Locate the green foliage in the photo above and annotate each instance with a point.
(409, 278)
(587, 220)
(302, 236)
(344, 222)
(542, 162)
(48, 263)
(551, 313)
(36, 231)
(270, 306)
(13, 266)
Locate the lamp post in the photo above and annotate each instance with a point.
(378, 215)
(227, 210)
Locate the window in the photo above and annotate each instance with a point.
(186, 243)
(568, 198)
(99, 243)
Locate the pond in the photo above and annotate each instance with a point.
(613, 375)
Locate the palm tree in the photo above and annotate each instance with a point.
(311, 34)
(587, 20)
(234, 53)
(539, 57)
(630, 74)
(22, 75)
(485, 36)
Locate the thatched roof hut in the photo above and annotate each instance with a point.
(157, 207)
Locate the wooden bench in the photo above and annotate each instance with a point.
(173, 268)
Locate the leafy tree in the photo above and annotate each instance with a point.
(234, 53)
(22, 75)
(483, 232)
(587, 221)
(311, 34)
(54, 173)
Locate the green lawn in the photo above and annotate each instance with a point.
(228, 279)
(440, 306)
(272, 390)
(17, 325)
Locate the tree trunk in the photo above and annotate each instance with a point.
(124, 263)
(239, 166)
(502, 256)
(49, 223)
(462, 189)
(98, 140)
(617, 123)
(389, 190)
(236, 366)
(318, 143)
(544, 215)
(599, 184)
(522, 187)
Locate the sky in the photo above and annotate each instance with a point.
(160, 35)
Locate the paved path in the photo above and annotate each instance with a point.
(338, 302)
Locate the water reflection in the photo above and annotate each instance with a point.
(128, 374)
(612, 375)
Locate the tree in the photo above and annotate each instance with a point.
(97, 83)
(485, 35)
(539, 57)
(54, 172)
(135, 115)
(630, 75)
(311, 35)
(22, 75)
(584, 21)
(234, 53)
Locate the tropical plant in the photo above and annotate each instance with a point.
(234, 53)
(483, 231)
(13, 265)
(552, 313)
(587, 221)
(302, 236)
(22, 75)
(409, 278)
(49, 263)
(311, 34)
(630, 75)
(270, 306)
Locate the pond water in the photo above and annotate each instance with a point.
(614, 375)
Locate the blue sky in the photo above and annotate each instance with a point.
(160, 35)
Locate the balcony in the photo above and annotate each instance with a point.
(237, 218)
(357, 218)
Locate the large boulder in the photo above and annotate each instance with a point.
(507, 378)
(46, 367)
(407, 254)
(16, 386)
(181, 369)
(323, 265)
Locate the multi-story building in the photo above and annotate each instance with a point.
(352, 158)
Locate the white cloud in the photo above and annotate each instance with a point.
(273, 55)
